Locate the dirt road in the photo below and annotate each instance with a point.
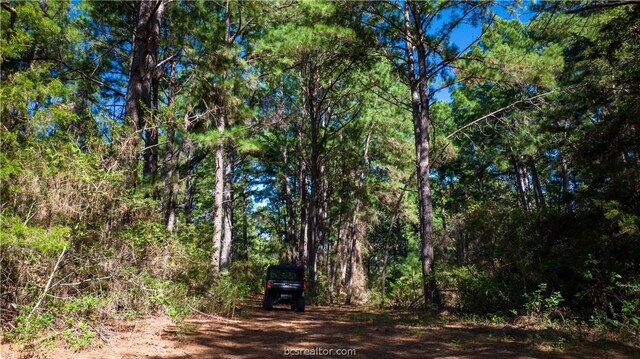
(262, 334)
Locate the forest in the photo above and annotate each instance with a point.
(480, 158)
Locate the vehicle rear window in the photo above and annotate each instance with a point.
(285, 274)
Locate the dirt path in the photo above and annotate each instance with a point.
(265, 334)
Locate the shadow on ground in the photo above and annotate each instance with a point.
(376, 335)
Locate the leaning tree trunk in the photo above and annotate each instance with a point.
(385, 255)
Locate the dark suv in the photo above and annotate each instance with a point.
(284, 284)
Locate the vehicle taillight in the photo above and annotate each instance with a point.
(304, 284)
(268, 284)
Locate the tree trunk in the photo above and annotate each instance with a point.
(189, 184)
(322, 218)
(291, 216)
(314, 179)
(522, 183)
(150, 153)
(227, 204)
(336, 258)
(218, 210)
(564, 190)
(461, 242)
(539, 194)
(312, 215)
(148, 15)
(355, 255)
(354, 252)
(302, 184)
(171, 178)
(245, 229)
(344, 256)
(420, 109)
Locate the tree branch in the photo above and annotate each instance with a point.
(454, 133)
(46, 288)
(601, 5)
(14, 14)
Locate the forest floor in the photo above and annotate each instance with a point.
(373, 334)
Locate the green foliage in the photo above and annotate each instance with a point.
(79, 338)
(536, 207)
(17, 234)
(230, 290)
(72, 318)
(28, 328)
(480, 292)
(541, 302)
(144, 233)
(512, 55)
(630, 306)
(406, 289)
(321, 294)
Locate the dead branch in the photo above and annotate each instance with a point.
(217, 317)
(461, 129)
(46, 288)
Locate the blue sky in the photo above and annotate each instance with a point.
(466, 34)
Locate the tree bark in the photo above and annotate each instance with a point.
(245, 229)
(150, 153)
(219, 185)
(522, 182)
(227, 204)
(312, 215)
(337, 258)
(291, 216)
(420, 108)
(355, 255)
(354, 252)
(303, 202)
(322, 243)
(564, 186)
(189, 184)
(344, 256)
(314, 178)
(172, 160)
(537, 186)
(148, 15)
(218, 210)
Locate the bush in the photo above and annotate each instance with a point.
(227, 295)
(541, 302)
(407, 288)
